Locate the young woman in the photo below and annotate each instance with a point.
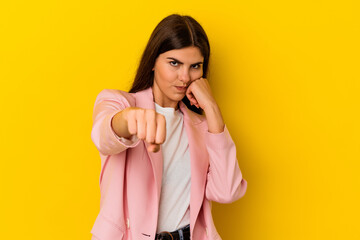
(165, 150)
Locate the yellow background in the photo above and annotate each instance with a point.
(285, 74)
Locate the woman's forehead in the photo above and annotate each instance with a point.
(185, 55)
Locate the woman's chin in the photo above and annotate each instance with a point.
(178, 97)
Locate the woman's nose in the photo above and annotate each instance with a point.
(184, 75)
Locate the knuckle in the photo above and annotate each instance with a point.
(129, 113)
(150, 114)
(141, 135)
(161, 117)
(140, 112)
(162, 140)
(131, 129)
(150, 139)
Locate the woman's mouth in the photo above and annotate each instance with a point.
(181, 89)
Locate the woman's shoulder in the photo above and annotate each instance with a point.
(115, 95)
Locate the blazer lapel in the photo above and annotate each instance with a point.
(198, 158)
(145, 99)
(199, 161)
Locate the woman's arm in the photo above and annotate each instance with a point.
(199, 94)
(225, 183)
(224, 180)
(115, 117)
(108, 103)
(214, 119)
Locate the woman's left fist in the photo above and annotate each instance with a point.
(199, 93)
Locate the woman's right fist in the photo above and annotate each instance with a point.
(146, 124)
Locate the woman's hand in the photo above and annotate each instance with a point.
(199, 94)
(146, 124)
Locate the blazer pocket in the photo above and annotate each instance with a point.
(106, 229)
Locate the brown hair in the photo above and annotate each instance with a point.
(173, 32)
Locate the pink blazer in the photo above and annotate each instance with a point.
(130, 177)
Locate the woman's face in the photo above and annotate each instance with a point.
(174, 71)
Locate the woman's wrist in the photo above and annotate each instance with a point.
(214, 119)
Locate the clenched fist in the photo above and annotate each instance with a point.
(146, 124)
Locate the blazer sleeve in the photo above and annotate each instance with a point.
(108, 103)
(225, 183)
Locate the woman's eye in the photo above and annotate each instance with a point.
(173, 63)
(196, 66)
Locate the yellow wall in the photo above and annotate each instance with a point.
(285, 74)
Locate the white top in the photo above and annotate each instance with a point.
(174, 212)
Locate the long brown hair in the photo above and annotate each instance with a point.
(173, 32)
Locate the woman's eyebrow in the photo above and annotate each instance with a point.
(182, 62)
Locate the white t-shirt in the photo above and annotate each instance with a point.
(174, 212)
